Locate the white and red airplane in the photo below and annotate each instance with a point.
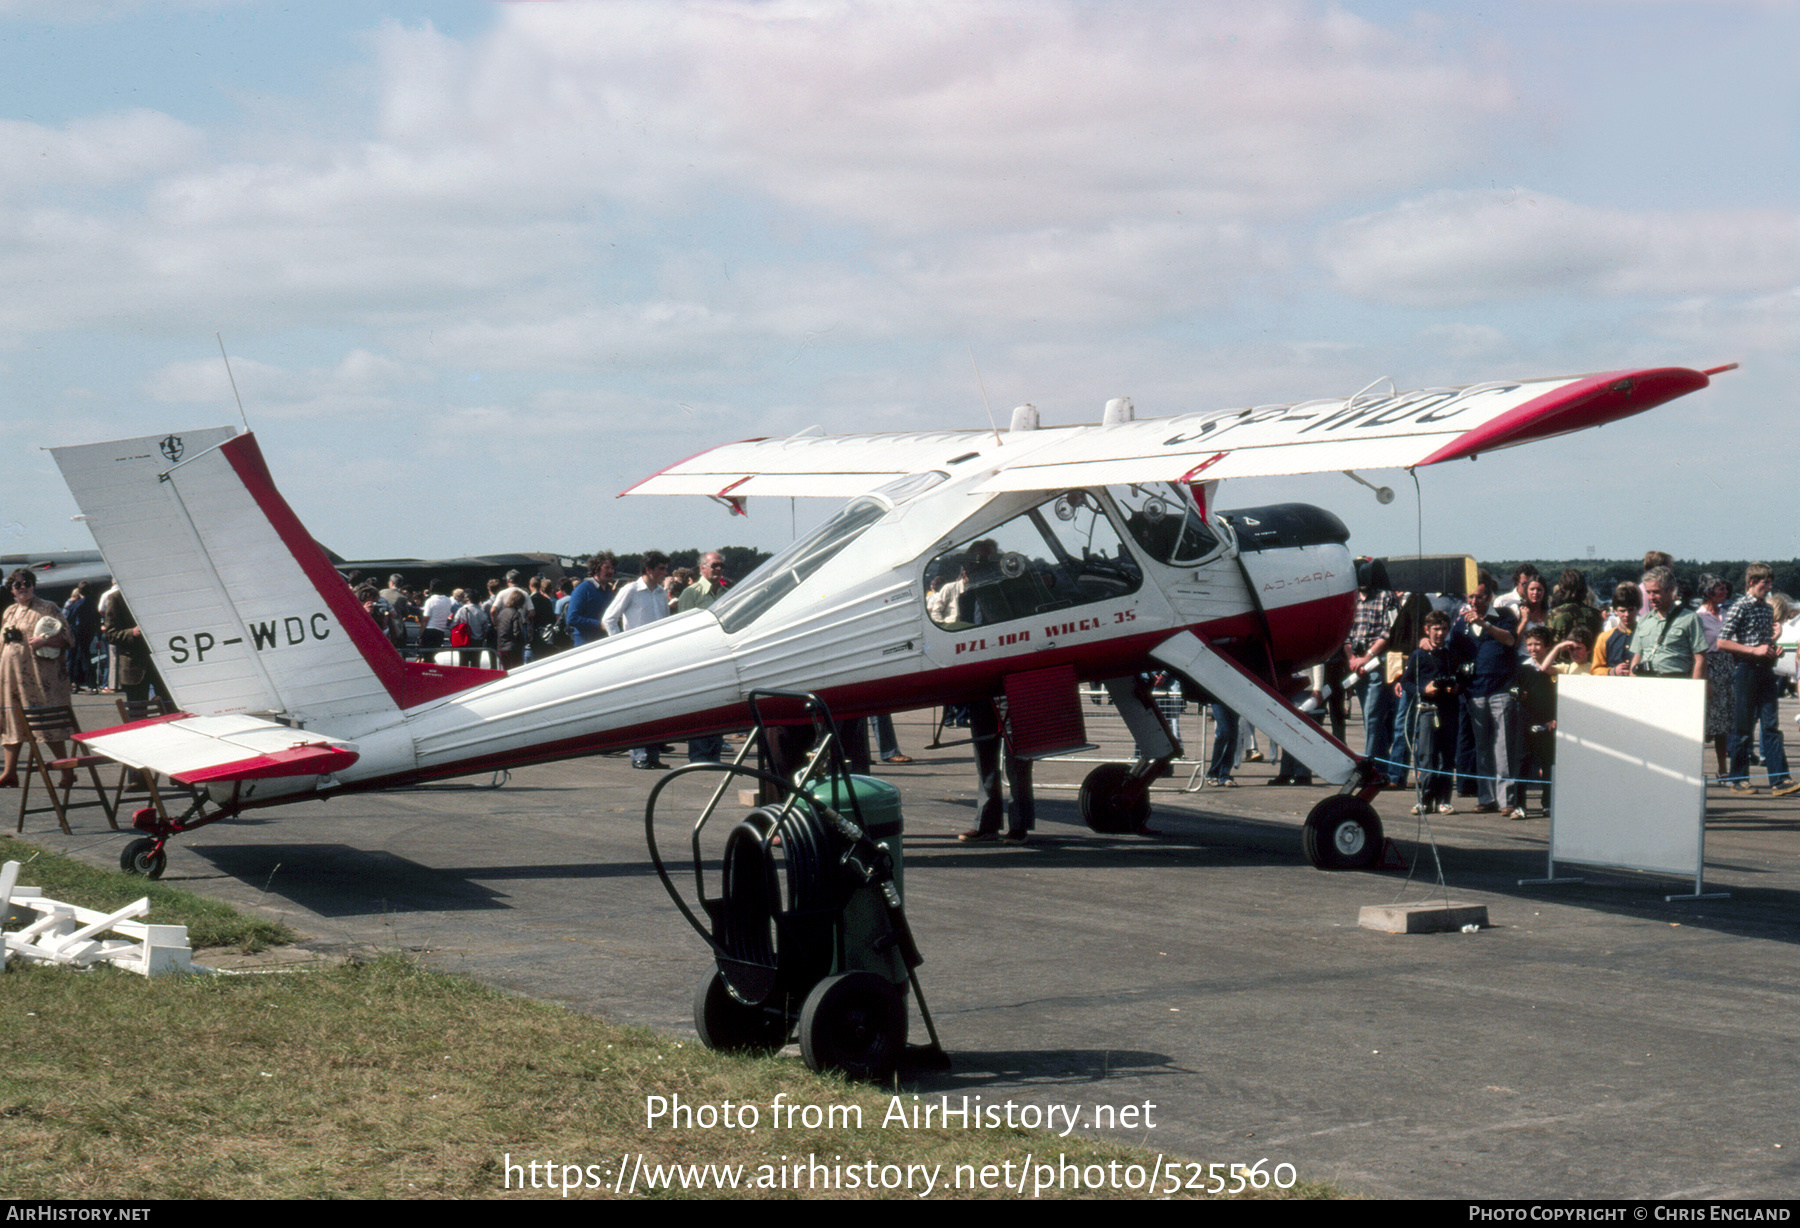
(1083, 553)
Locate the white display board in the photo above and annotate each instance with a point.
(1630, 789)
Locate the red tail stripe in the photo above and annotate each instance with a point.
(247, 459)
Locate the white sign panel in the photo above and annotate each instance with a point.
(1630, 787)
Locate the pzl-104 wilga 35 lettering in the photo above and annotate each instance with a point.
(1092, 552)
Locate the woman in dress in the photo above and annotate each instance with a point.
(29, 679)
(1721, 703)
(1533, 611)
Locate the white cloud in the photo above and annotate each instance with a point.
(910, 117)
(99, 151)
(1456, 340)
(633, 335)
(360, 382)
(1128, 273)
(1767, 323)
(205, 381)
(1054, 163)
(1459, 247)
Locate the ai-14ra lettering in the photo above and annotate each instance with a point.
(268, 633)
(1276, 585)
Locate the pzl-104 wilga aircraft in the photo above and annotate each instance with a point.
(1084, 553)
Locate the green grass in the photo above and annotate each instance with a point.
(388, 1080)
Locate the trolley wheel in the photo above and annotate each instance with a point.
(143, 857)
(1112, 802)
(1342, 833)
(854, 1022)
(727, 1024)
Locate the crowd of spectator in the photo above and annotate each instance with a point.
(519, 618)
(1459, 688)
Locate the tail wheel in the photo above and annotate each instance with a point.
(725, 1023)
(854, 1022)
(142, 857)
(1112, 801)
(1342, 833)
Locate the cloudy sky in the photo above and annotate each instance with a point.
(481, 266)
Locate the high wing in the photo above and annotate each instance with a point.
(1371, 430)
(828, 466)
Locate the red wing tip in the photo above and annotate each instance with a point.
(1574, 406)
(1711, 371)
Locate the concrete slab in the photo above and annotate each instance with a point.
(1594, 1042)
(1421, 918)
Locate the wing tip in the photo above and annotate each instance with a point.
(1591, 400)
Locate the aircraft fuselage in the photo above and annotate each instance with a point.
(1072, 581)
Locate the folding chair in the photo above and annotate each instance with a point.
(58, 721)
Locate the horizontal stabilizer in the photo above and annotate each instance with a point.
(198, 750)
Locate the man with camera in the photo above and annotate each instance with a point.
(1484, 645)
(1668, 643)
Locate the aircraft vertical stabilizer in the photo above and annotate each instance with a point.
(243, 611)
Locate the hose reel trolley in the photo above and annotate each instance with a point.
(808, 933)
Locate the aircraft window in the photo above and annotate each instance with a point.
(751, 597)
(1163, 520)
(900, 490)
(1061, 554)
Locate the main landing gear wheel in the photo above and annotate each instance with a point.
(854, 1022)
(1112, 802)
(143, 857)
(1342, 833)
(726, 1024)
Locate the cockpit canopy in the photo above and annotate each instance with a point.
(764, 588)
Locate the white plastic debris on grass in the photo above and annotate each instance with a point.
(74, 936)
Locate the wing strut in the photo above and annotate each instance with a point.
(1228, 682)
